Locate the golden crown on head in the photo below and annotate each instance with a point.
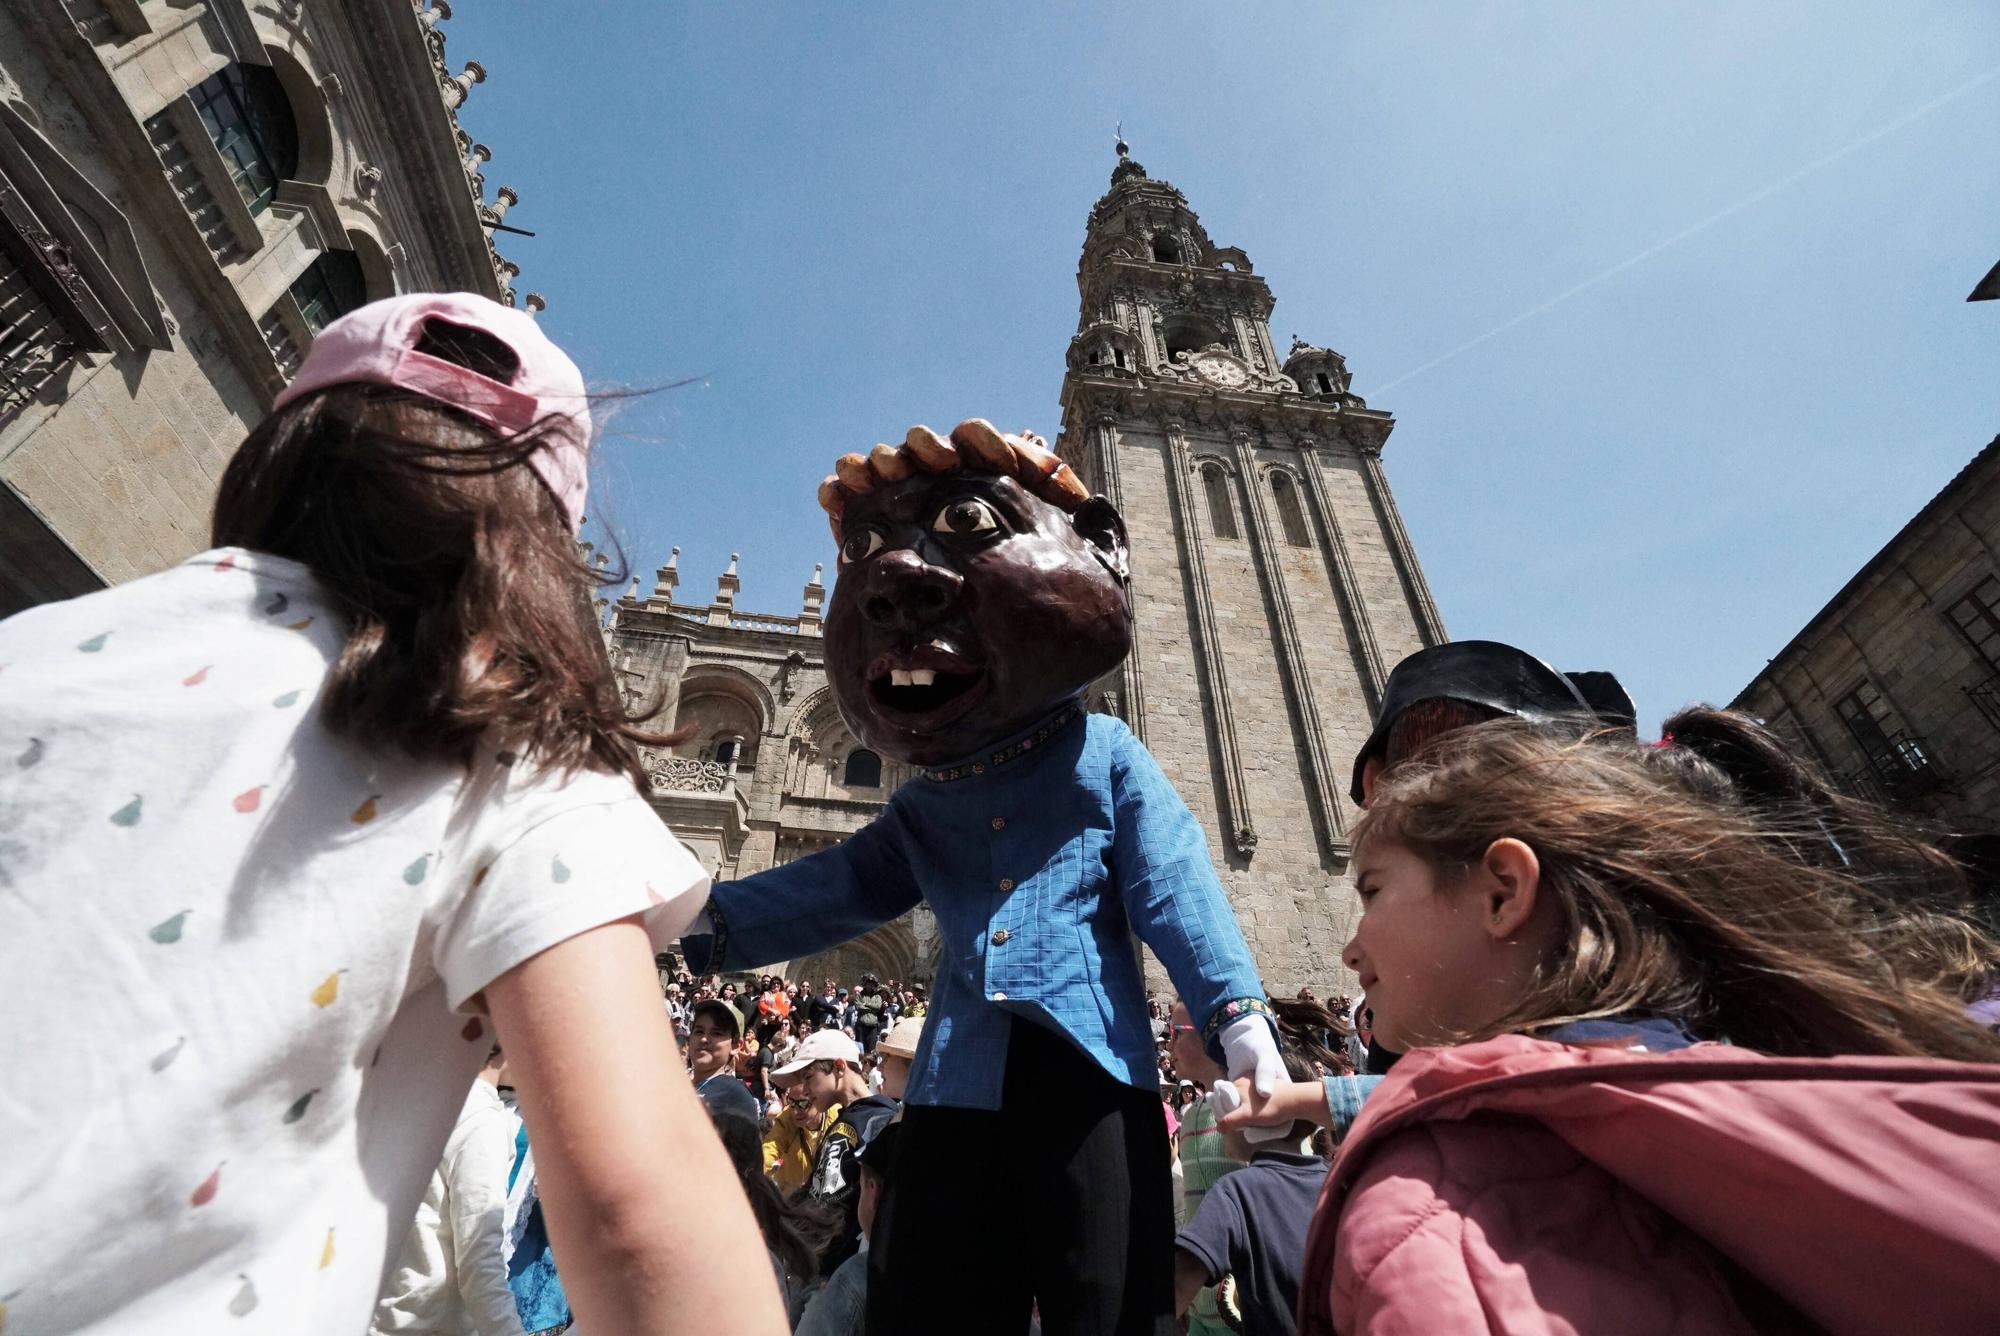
(975, 444)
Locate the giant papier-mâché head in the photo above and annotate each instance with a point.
(981, 586)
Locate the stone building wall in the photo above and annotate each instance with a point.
(1913, 641)
(758, 681)
(151, 307)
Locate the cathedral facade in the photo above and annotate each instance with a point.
(1273, 583)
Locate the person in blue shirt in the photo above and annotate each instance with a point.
(981, 591)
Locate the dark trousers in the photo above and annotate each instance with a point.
(1060, 1201)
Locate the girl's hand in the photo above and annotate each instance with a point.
(1239, 1107)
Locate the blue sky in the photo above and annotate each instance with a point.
(846, 219)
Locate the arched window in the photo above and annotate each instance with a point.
(864, 770)
(1190, 332)
(1165, 249)
(1221, 518)
(726, 751)
(1290, 513)
(330, 288)
(243, 107)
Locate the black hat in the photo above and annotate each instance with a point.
(1607, 697)
(1494, 677)
(881, 1148)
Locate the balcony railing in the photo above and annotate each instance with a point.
(184, 174)
(685, 774)
(278, 338)
(1899, 769)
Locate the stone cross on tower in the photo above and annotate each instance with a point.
(1273, 582)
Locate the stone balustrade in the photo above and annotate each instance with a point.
(685, 774)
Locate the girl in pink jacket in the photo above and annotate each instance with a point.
(1669, 1067)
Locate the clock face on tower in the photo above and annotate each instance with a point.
(1220, 369)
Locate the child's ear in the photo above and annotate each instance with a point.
(1099, 521)
(1513, 880)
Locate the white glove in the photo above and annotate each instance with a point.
(1249, 1049)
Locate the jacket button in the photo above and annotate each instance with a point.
(999, 823)
(1006, 883)
(1000, 937)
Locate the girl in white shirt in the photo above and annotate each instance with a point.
(291, 832)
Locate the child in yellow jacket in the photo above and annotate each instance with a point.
(793, 1141)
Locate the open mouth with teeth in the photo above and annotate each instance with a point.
(929, 680)
(920, 690)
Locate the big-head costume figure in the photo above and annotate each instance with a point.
(981, 590)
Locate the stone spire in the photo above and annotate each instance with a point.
(810, 616)
(668, 577)
(726, 586)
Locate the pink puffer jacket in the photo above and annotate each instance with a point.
(1528, 1187)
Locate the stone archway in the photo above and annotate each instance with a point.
(892, 951)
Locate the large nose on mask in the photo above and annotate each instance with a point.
(905, 592)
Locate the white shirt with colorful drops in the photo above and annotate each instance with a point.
(239, 956)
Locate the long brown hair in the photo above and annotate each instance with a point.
(1681, 898)
(797, 1230)
(466, 595)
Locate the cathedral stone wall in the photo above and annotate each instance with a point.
(763, 777)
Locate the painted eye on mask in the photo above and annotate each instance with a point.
(860, 545)
(965, 517)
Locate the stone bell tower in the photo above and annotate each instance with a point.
(1274, 583)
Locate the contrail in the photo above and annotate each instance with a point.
(1708, 222)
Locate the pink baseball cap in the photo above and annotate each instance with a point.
(377, 344)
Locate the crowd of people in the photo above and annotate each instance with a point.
(774, 1017)
(332, 912)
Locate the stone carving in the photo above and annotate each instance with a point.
(788, 675)
(1186, 368)
(685, 774)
